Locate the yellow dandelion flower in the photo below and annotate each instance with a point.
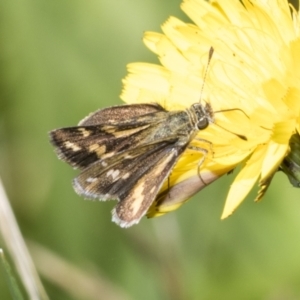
(255, 72)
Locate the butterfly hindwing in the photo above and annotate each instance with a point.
(134, 178)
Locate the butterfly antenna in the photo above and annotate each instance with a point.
(243, 137)
(231, 109)
(210, 54)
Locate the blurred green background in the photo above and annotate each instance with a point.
(61, 60)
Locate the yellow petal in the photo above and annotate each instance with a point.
(167, 52)
(244, 181)
(274, 156)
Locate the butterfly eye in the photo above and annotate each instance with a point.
(202, 123)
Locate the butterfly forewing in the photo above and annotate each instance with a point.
(82, 146)
(99, 136)
(121, 114)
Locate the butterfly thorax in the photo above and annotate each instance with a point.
(179, 125)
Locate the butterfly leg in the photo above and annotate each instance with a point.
(204, 152)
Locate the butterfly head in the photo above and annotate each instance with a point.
(204, 115)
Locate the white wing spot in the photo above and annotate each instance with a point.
(137, 198)
(84, 132)
(99, 149)
(107, 155)
(91, 179)
(72, 146)
(152, 190)
(125, 176)
(113, 173)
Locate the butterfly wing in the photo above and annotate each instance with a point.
(134, 178)
(105, 133)
(120, 114)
